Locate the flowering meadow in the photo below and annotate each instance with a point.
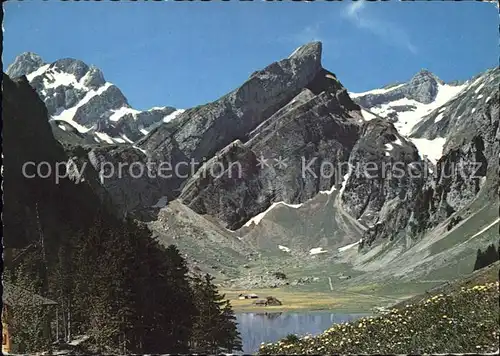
(463, 321)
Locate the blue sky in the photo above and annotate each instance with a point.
(184, 53)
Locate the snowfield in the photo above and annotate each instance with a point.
(257, 218)
(375, 91)
(433, 149)
(408, 113)
(68, 114)
(409, 118)
(53, 77)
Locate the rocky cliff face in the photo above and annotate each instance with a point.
(423, 88)
(32, 200)
(386, 174)
(465, 177)
(285, 158)
(289, 139)
(77, 95)
(202, 131)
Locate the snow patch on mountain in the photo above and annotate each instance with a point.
(68, 114)
(173, 115)
(347, 247)
(317, 251)
(439, 117)
(257, 218)
(479, 88)
(126, 139)
(367, 116)
(410, 112)
(375, 91)
(432, 149)
(328, 192)
(284, 248)
(121, 112)
(161, 203)
(54, 79)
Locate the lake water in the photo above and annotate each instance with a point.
(256, 328)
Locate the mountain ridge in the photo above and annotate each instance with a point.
(78, 95)
(295, 109)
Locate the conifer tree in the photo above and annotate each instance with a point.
(214, 329)
(231, 339)
(27, 316)
(479, 258)
(116, 284)
(486, 258)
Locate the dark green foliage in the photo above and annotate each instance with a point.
(486, 258)
(28, 322)
(130, 294)
(453, 222)
(214, 329)
(291, 338)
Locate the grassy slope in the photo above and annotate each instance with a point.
(443, 258)
(482, 276)
(461, 317)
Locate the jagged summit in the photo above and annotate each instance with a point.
(311, 49)
(25, 64)
(426, 75)
(405, 104)
(423, 87)
(78, 95)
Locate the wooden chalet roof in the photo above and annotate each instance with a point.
(13, 295)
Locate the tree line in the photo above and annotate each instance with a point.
(124, 290)
(486, 258)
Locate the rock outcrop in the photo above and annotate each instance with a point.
(24, 64)
(386, 174)
(465, 178)
(202, 131)
(286, 158)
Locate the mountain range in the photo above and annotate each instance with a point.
(288, 148)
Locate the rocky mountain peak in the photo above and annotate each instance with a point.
(423, 87)
(71, 66)
(25, 64)
(305, 62)
(426, 75)
(78, 95)
(309, 50)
